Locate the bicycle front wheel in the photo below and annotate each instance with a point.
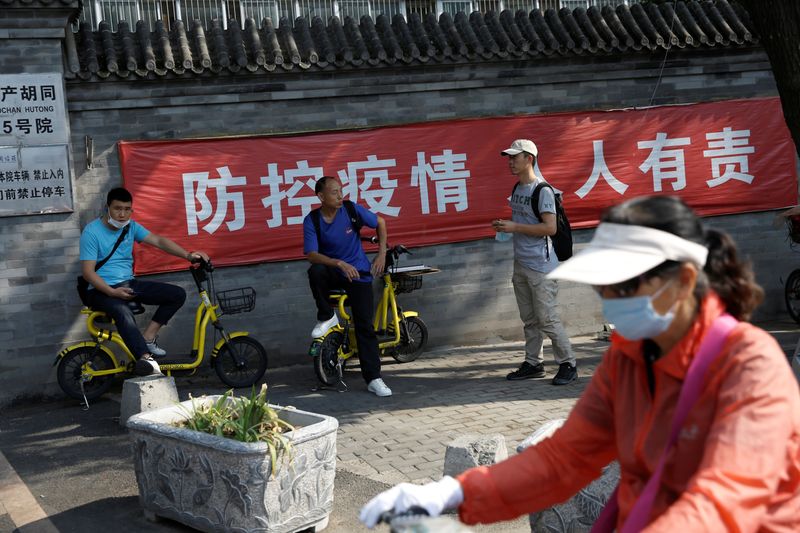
(792, 295)
(413, 337)
(70, 371)
(326, 363)
(241, 362)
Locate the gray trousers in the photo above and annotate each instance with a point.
(538, 309)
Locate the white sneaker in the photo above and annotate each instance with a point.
(155, 349)
(323, 327)
(379, 388)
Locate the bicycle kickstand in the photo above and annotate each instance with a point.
(83, 380)
(337, 387)
(343, 387)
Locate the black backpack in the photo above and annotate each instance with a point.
(562, 240)
(355, 220)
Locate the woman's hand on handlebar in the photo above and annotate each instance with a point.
(433, 497)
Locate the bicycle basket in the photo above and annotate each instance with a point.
(233, 301)
(406, 283)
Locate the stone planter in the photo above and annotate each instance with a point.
(217, 484)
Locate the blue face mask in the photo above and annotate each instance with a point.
(635, 318)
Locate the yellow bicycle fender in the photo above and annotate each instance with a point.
(218, 346)
(409, 314)
(90, 344)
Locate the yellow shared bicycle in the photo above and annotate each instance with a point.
(88, 369)
(401, 334)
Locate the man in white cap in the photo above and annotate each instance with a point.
(534, 258)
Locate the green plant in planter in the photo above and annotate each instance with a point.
(243, 419)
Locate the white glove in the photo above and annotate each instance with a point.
(433, 497)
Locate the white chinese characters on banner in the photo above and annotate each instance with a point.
(374, 170)
(729, 149)
(449, 176)
(441, 179)
(600, 170)
(195, 190)
(299, 180)
(665, 164)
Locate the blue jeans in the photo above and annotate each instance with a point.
(168, 298)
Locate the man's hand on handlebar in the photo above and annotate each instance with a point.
(198, 262)
(379, 265)
(197, 256)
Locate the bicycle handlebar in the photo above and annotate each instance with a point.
(201, 271)
(394, 250)
(417, 520)
(415, 512)
(202, 264)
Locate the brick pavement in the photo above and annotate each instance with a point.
(69, 459)
(446, 393)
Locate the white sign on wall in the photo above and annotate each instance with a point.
(35, 175)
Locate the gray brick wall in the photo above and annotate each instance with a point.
(470, 301)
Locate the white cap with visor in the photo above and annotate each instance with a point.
(619, 252)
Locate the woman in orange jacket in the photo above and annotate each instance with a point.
(735, 465)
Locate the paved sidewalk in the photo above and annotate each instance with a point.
(70, 470)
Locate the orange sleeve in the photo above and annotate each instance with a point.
(752, 448)
(551, 471)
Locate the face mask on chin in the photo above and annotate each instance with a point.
(635, 318)
(117, 224)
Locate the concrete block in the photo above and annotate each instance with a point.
(145, 394)
(581, 511)
(473, 450)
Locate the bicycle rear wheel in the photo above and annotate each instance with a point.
(326, 363)
(70, 370)
(241, 362)
(792, 295)
(413, 337)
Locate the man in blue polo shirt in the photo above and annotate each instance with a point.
(113, 287)
(338, 261)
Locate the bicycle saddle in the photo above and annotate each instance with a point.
(135, 307)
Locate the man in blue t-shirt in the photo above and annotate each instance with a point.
(113, 287)
(338, 261)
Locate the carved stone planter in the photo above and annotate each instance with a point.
(217, 484)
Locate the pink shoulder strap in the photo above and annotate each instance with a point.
(690, 392)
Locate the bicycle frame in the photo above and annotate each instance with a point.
(206, 312)
(387, 306)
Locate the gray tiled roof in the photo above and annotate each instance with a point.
(57, 3)
(383, 42)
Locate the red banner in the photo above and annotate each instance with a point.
(243, 200)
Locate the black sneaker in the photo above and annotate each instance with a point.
(146, 366)
(566, 374)
(527, 370)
